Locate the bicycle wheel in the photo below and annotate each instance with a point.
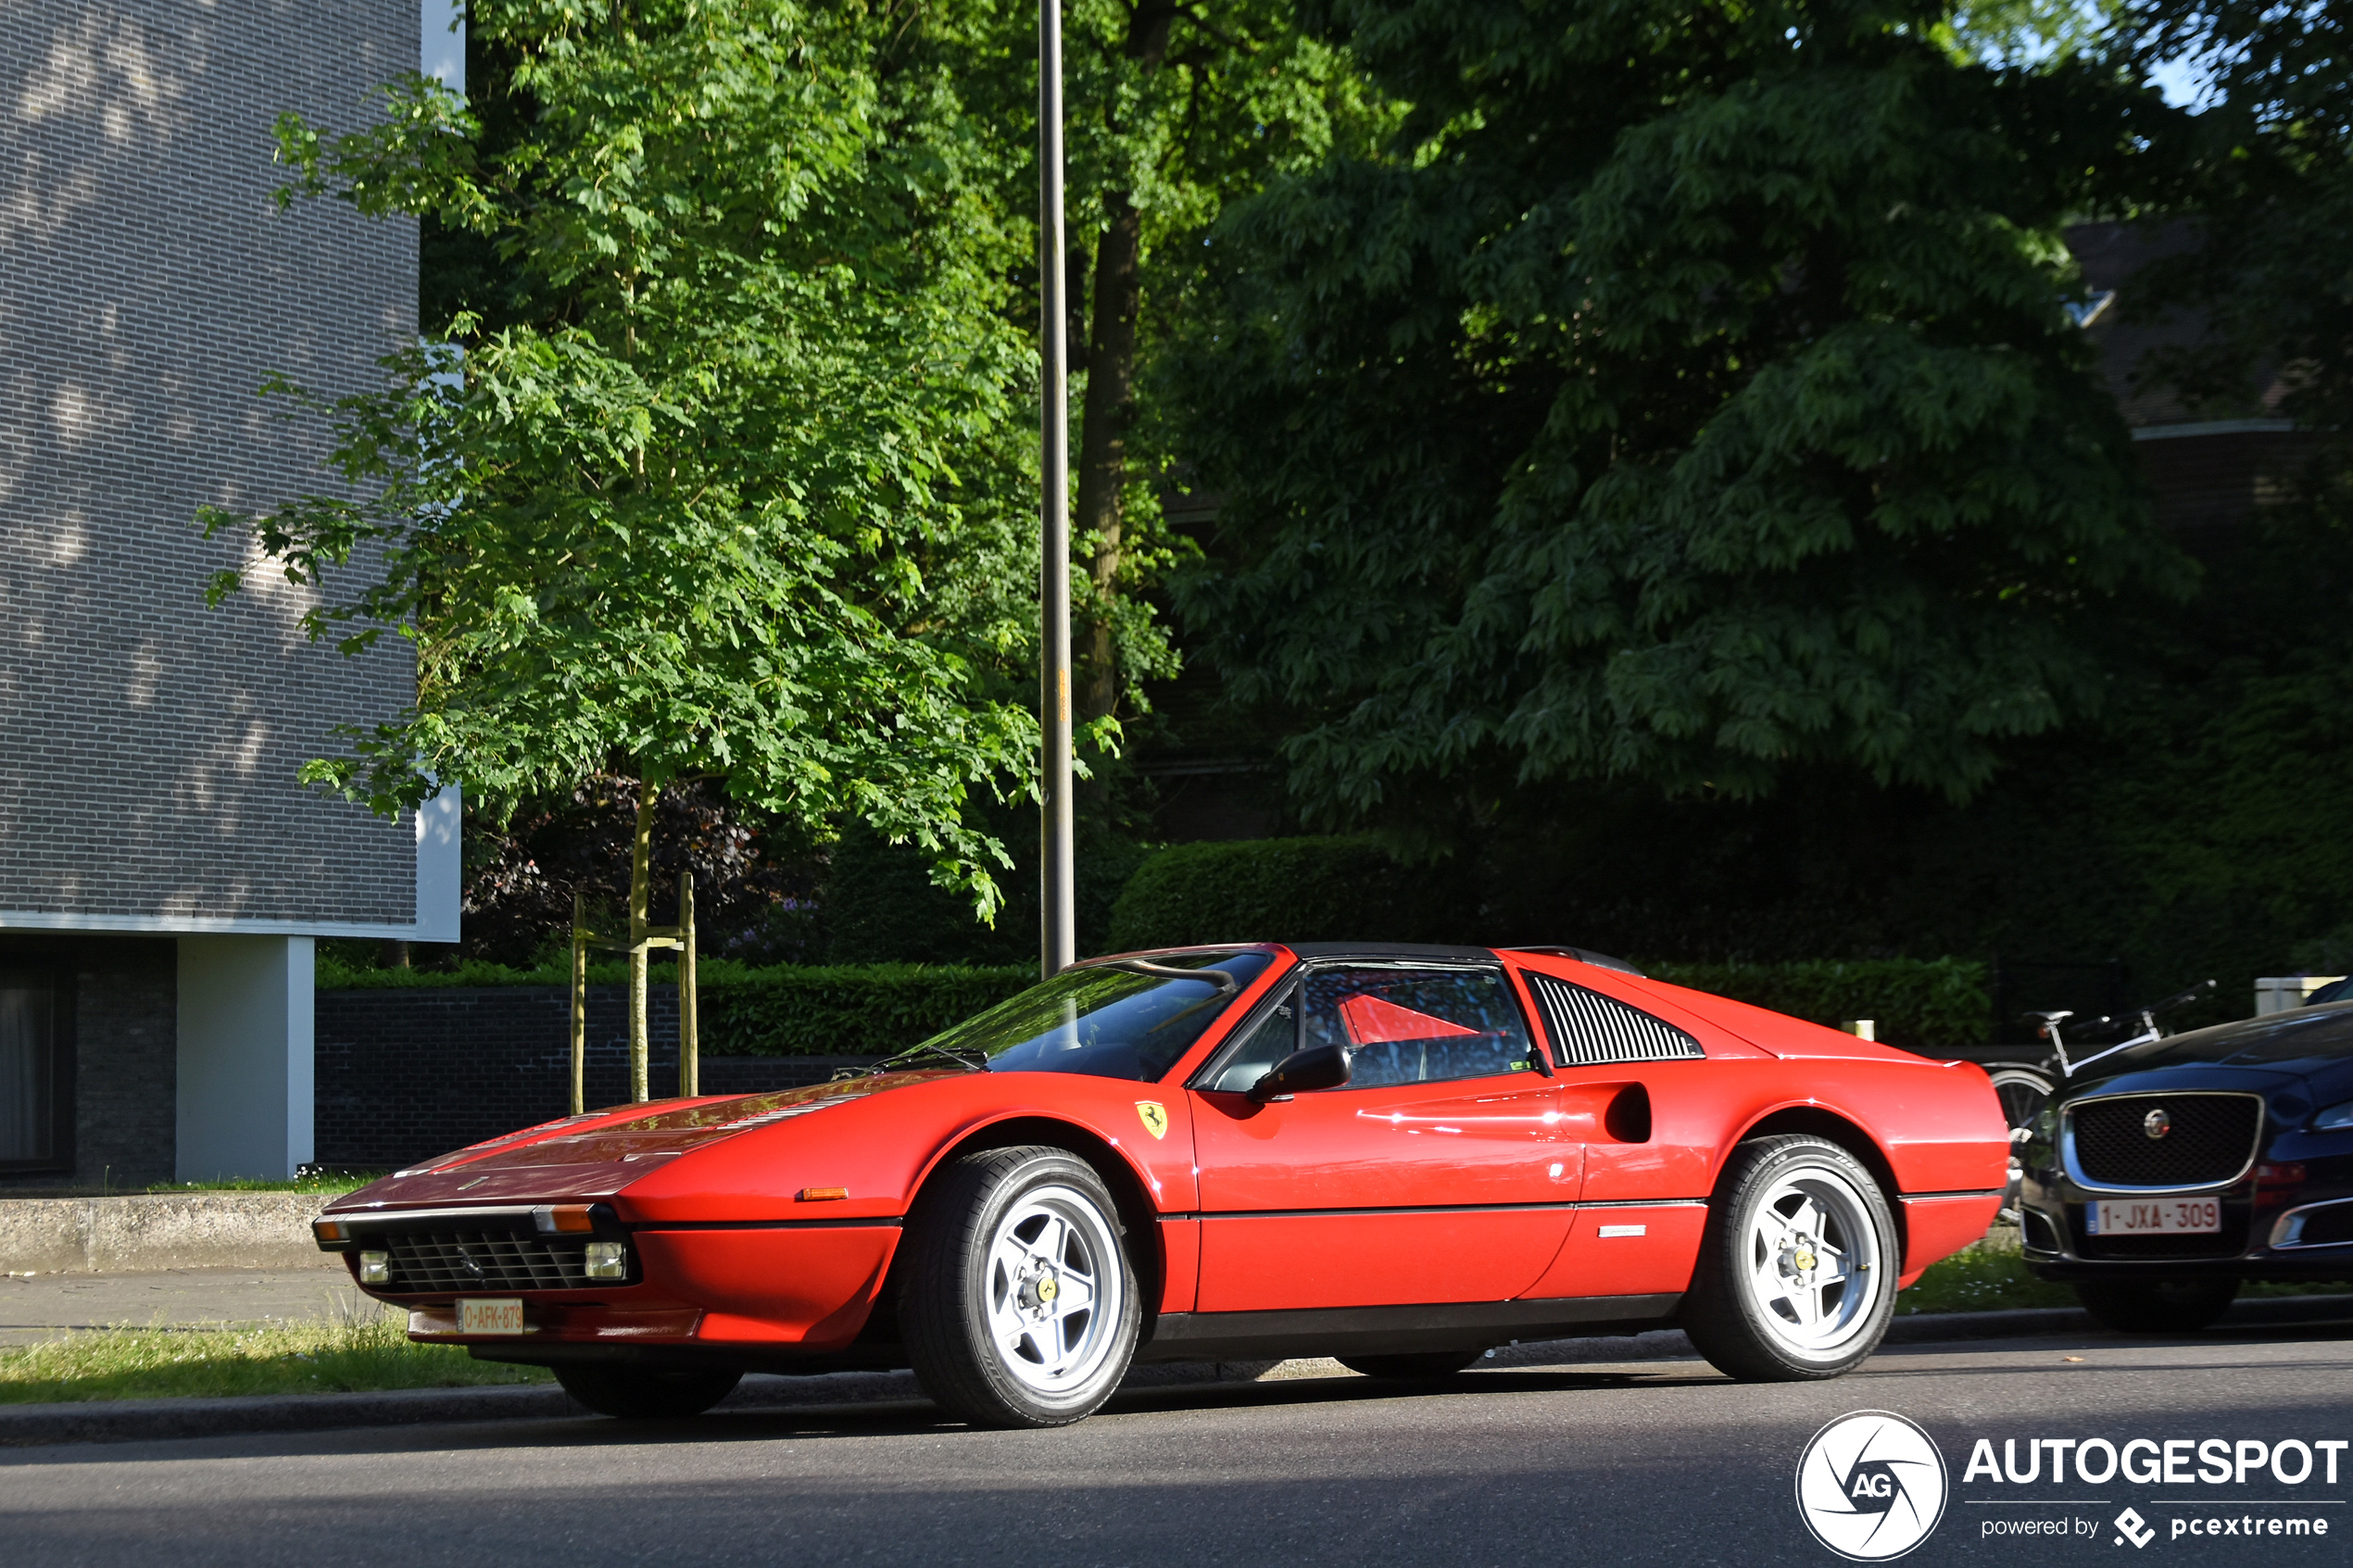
(2023, 1092)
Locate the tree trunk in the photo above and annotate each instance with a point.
(1102, 445)
(640, 898)
(1111, 389)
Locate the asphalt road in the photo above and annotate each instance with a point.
(1652, 1461)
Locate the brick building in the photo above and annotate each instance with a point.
(162, 874)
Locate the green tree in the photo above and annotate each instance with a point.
(2272, 278)
(1173, 110)
(1684, 394)
(734, 493)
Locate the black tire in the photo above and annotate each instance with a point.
(2159, 1306)
(635, 1394)
(1427, 1366)
(2024, 1091)
(1732, 1313)
(1049, 1212)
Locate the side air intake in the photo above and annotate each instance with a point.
(1589, 1029)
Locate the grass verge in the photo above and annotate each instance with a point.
(320, 1357)
(332, 1183)
(1989, 1276)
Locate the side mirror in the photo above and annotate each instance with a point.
(1317, 1067)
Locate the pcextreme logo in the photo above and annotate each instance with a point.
(1871, 1485)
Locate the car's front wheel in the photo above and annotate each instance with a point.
(636, 1394)
(1797, 1274)
(1019, 1305)
(2158, 1306)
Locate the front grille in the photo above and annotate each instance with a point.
(468, 1260)
(2211, 1139)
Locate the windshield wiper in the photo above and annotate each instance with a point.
(963, 1055)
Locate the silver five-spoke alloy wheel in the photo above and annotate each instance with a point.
(1055, 1289)
(1797, 1269)
(1813, 1264)
(1018, 1303)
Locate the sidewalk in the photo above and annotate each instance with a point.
(38, 1308)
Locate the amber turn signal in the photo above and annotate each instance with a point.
(330, 1232)
(822, 1195)
(564, 1217)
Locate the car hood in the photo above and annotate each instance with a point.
(2292, 1091)
(598, 1154)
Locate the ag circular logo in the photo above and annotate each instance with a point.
(1871, 1485)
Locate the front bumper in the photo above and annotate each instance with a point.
(2258, 1239)
(740, 1294)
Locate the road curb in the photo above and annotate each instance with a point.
(133, 1420)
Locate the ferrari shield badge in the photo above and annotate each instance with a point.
(1155, 1117)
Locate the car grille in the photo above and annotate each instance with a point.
(2212, 1139)
(468, 1261)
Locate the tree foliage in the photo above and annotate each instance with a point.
(2272, 277)
(1683, 395)
(1172, 111)
(734, 486)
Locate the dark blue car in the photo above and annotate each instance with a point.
(2199, 1162)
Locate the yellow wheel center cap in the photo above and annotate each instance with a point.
(1047, 1289)
(1802, 1258)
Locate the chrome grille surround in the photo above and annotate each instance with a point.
(2216, 1134)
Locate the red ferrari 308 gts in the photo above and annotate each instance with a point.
(1397, 1155)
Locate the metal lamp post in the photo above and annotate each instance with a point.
(1058, 929)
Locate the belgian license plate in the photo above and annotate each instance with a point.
(2172, 1216)
(490, 1317)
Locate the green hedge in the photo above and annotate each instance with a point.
(1287, 889)
(1922, 1005)
(865, 1010)
(785, 1010)
(876, 1009)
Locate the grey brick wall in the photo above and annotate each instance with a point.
(125, 1047)
(147, 285)
(403, 1076)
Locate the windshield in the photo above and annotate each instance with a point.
(1106, 1022)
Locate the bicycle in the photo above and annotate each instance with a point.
(2026, 1087)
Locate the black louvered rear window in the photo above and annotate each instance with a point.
(1588, 1028)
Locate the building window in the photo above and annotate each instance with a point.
(36, 1072)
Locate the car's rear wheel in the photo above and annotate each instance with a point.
(1019, 1305)
(2159, 1306)
(1797, 1273)
(1425, 1367)
(638, 1394)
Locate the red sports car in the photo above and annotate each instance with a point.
(1398, 1156)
